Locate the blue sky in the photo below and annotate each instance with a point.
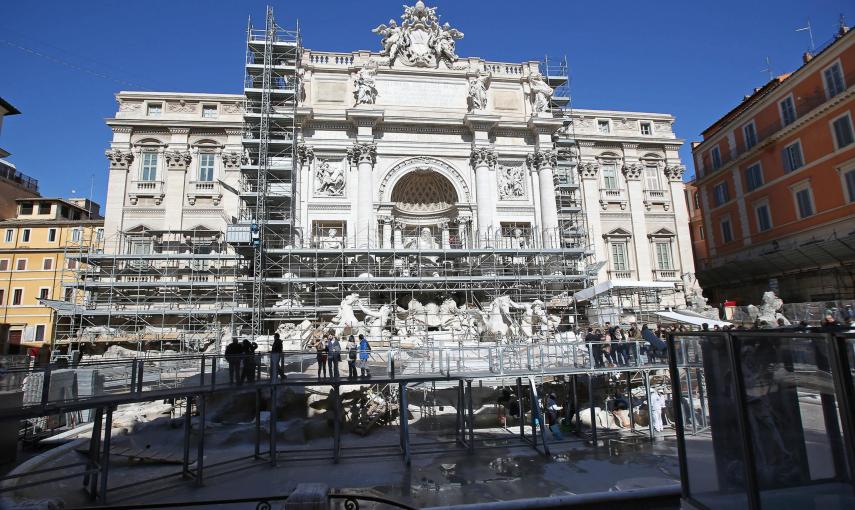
(62, 61)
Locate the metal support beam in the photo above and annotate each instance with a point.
(650, 430)
(273, 437)
(403, 414)
(691, 399)
(592, 409)
(629, 399)
(521, 408)
(336, 393)
(200, 445)
(188, 416)
(105, 455)
(90, 478)
(471, 414)
(578, 422)
(257, 453)
(461, 439)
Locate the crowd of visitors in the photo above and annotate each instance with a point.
(329, 355)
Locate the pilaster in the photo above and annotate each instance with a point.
(632, 172)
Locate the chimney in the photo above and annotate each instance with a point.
(807, 57)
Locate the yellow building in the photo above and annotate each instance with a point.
(33, 265)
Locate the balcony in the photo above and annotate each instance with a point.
(620, 275)
(204, 189)
(612, 196)
(666, 275)
(656, 197)
(146, 189)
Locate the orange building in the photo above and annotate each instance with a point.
(776, 182)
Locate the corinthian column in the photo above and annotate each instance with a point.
(363, 155)
(305, 156)
(545, 162)
(483, 160)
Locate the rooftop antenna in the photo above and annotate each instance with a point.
(809, 30)
(768, 69)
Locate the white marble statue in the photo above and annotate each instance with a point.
(329, 179)
(442, 42)
(376, 322)
(478, 92)
(536, 323)
(496, 320)
(332, 240)
(345, 322)
(365, 83)
(394, 39)
(769, 310)
(541, 93)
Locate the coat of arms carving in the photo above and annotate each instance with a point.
(419, 40)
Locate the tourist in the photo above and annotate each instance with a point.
(233, 353)
(621, 347)
(334, 357)
(277, 360)
(322, 350)
(248, 353)
(593, 339)
(351, 357)
(830, 324)
(608, 348)
(364, 349)
(552, 416)
(705, 327)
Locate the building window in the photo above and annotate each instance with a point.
(792, 157)
(804, 201)
(148, 168)
(155, 109)
(715, 154)
(646, 128)
(17, 297)
(849, 180)
(2, 297)
(610, 179)
(10, 234)
(209, 111)
(696, 199)
(619, 258)
(21, 265)
(40, 333)
(26, 208)
(764, 219)
(69, 295)
(834, 83)
(71, 263)
(651, 177)
(76, 235)
(603, 127)
(99, 234)
(750, 135)
(47, 264)
(25, 236)
(51, 235)
(726, 232)
(206, 167)
(753, 177)
(721, 193)
(44, 293)
(4, 264)
(788, 111)
(663, 255)
(701, 233)
(842, 127)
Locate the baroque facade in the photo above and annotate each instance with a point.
(408, 164)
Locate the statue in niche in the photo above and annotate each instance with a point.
(519, 239)
(478, 91)
(394, 39)
(541, 92)
(332, 240)
(365, 83)
(425, 241)
(511, 182)
(329, 179)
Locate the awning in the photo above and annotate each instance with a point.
(692, 318)
(620, 285)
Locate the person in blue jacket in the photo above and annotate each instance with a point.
(364, 349)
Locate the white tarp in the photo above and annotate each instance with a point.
(691, 318)
(608, 285)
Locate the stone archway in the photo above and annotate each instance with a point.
(423, 192)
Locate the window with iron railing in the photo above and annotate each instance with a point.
(792, 157)
(206, 167)
(148, 167)
(753, 177)
(834, 83)
(842, 127)
(788, 111)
